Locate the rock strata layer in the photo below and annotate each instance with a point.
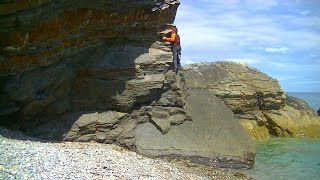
(78, 55)
(256, 99)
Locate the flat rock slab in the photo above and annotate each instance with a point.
(213, 136)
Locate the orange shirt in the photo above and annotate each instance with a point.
(172, 38)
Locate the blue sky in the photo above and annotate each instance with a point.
(279, 37)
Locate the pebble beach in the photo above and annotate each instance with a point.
(25, 158)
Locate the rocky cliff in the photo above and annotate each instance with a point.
(80, 70)
(81, 54)
(256, 99)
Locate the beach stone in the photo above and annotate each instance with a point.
(162, 124)
(178, 119)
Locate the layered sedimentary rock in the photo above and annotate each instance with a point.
(77, 53)
(82, 70)
(257, 100)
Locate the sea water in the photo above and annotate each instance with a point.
(285, 158)
(288, 158)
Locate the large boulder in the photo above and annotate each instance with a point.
(213, 136)
(241, 87)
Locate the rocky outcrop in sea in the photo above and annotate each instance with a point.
(256, 99)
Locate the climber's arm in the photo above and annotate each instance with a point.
(170, 39)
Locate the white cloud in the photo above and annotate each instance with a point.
(267, 35)
(240, 29)
(277, 50)
(303, 13)
(243, 60)
(261, 4)
(213, 6)
(186, 61)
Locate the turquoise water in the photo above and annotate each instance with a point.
(284, 158)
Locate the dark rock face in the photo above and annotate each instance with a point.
(256, 99)
(66, 56)
(40, 33)
(85, 70)
(82, 70)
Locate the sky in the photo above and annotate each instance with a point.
(279, 37)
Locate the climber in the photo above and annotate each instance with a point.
(175, 47)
